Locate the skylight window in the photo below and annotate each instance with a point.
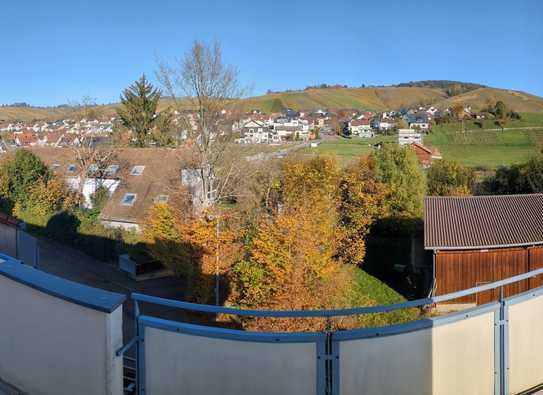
(111, 170)
(129, 199)
(71, 168)
(137, 170)
(55, 166)
(162, 199)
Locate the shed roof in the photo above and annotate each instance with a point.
(473, 222)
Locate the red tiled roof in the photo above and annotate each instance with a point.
(360, 122)
(483, 221)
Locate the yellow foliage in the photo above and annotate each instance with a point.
(363, 200)
(192, 248)
(163, 237)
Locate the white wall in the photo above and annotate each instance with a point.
(91, 184)
(193, 365)
(454, 358)
(365, 367)
(525, 344)
(463, 356)
(121, 225)
(51, 346)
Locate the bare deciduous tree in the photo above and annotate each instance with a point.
(204, 91)
(93, 162)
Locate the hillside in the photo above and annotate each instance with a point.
(393, 98)
(482, 97)
(378, 99)
(372, 98)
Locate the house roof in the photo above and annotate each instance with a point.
(475, 222)
(360, 122)
(161, 176)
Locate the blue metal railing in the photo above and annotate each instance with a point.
(333, 312)
(329, 348)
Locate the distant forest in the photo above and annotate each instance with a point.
(452, 88)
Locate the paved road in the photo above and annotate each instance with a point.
(500, 129)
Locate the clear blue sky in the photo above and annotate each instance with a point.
(58, 51)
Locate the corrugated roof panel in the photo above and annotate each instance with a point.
(483, 221)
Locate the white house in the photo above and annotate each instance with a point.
(361, 127)
(291, 128)
(409, 136)
(257, 132)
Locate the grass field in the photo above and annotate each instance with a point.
(489, 148)
(348, 149)
(476, 147)
(369, 291)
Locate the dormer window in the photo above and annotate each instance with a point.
(162, 199)
(137, 170)
(129, 199)
(93, 168)
(111, 170)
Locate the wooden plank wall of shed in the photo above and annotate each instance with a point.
(458, 270)
(536, 262)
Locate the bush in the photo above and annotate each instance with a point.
(449, 178)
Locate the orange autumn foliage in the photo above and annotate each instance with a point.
(292, 262)
(190, 248)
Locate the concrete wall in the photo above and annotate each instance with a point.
(193, 365)
(525, 344)
(50, 345)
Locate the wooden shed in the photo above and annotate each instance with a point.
(482, 239)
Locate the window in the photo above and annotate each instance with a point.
(128, 199)
(111, 170)
(162, 199)
(71, 168)
(137, 170)
(55, 166)
(93, 168)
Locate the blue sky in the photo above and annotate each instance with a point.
(58, 51)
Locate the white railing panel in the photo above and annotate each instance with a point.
(193, 365)
(525, 344)
(395, 364)
(52, 346)
(463, 356)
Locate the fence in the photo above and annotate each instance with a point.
(15, 242)
(60, 337)
(56, 336)
(495, 348)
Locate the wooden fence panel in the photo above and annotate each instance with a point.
(457, 270)
(536, 262)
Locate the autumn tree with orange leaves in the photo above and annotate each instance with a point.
(292, 261)
(195, 248)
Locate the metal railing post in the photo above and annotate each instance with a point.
(138, 346)
(502, 347)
